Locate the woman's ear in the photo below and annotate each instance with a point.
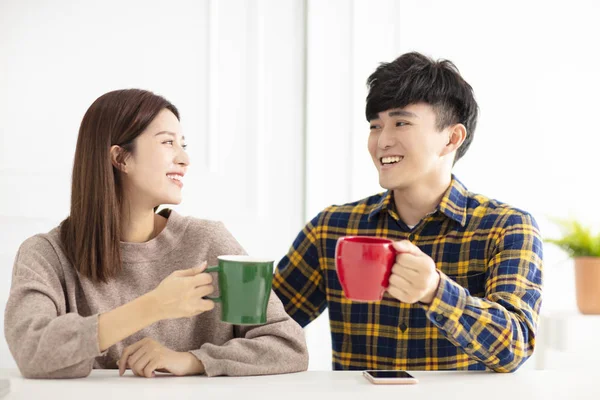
(117, 158)
(456, 136)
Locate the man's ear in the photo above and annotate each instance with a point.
(118, 158)
(456, 136)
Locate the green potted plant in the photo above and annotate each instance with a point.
(584, 247)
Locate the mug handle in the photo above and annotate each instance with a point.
(396, 252)
(208, 270)
(392, 248)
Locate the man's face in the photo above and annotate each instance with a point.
(407, 147)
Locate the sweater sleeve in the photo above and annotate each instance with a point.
(277, 347)
(46, 340)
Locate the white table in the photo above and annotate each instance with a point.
(105, 384)
(567, 340)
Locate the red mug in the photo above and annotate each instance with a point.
(364, 265)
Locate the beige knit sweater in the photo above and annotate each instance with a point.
(51, 319)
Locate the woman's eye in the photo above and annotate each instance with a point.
(172, 142)
(400, 123)
(374, 127)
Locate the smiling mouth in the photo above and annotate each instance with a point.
(390, 160)
(176, 178)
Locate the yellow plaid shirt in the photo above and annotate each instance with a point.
(485, 312)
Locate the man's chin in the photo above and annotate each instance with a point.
(392, 185)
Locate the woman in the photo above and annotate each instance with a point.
(112, 287)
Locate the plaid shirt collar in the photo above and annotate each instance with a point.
(453, 204)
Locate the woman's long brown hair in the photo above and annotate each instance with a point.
(91, 233)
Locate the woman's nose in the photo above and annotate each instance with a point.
(182, 158)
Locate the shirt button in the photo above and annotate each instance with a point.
(439, 318)
(403, 326)
(470, 346)
(411, 237)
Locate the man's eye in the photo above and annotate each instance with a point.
(170, 142)
(374, 127)
(400, 123)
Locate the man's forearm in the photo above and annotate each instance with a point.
(484, 328)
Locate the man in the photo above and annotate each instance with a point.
(465, 290)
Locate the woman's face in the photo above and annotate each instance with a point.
(153, 172)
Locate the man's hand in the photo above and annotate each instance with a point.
(147, 355)
(414, 275)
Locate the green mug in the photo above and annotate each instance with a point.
(245, 287)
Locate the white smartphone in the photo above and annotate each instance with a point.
(389, 377)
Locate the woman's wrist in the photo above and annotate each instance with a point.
(193, 365)
(152, 307)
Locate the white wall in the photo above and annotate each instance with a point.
(240, 74)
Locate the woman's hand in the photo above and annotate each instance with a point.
(181, 294)
(178, 295)
(147, 355)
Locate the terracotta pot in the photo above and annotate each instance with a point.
(587, 284)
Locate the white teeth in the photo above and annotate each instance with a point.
(391, 160)
(175, 177)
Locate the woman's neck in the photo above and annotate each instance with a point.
(140, 225)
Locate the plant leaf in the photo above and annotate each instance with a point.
(577, 240)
